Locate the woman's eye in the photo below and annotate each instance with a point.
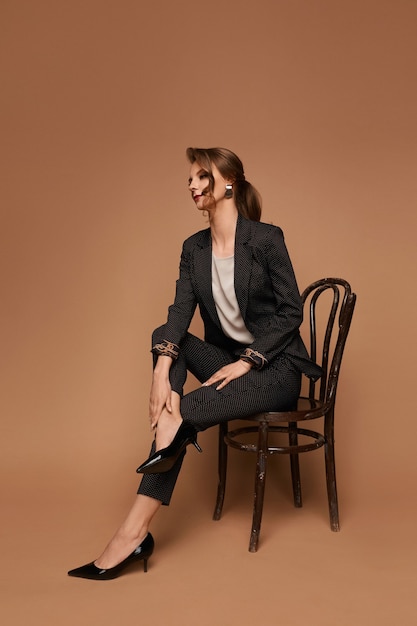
(205, 175)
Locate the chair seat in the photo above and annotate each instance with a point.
(307, 409)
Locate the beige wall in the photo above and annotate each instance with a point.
(100, 100)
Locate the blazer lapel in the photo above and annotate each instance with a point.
(243, 263)
(202, 272)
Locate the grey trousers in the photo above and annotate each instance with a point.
(276, 387)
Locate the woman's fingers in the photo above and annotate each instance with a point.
(223, 383)
(228, 373)
(153, 418)
(160, 397)
(155, 410)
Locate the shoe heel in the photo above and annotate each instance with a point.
(195, 444)
(145, 565)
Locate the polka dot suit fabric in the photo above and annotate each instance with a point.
(271, 307)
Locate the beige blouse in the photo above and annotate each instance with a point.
(225, 300)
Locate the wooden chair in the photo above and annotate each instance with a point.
(326, 349)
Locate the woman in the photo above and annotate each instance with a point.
(239, 273)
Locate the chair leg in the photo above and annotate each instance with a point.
(260, 477)
(222, 469)
(295, 466)
(331, 474)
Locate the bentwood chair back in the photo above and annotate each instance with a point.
(327, 338)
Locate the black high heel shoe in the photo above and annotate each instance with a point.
(141, 553)
(164, 460)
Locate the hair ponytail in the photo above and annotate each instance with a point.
(248, 200)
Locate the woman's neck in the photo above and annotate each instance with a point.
(223, 231)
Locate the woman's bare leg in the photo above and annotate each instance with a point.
(135, 527)
(131, 533)
(168, 423)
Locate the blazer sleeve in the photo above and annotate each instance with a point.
(181, 312)
(276, 330)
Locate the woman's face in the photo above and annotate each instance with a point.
(198, 183)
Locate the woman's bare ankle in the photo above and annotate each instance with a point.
(119, 548)
(166, 430)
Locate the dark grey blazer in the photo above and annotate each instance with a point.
(266, 291)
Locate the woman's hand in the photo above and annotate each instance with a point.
(161, 392)
(160, 398)
(227, 373)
